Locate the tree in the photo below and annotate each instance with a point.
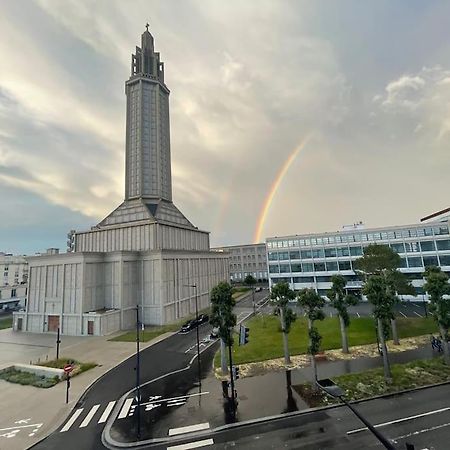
(313, 303)
(383, 300)
(381, 260)
(340, 300)
(222, 317)
(438, 288)
(250, 281)
(280, 295)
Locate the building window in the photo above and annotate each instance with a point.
(412, 247)
(296, 267)
(330, 252)
(445, 260)
(441, 230)
(356, 251)
(443, 245)
(344, 265)
(294, 255)
(303, 279)
(306, 254)
(402, 263)
(319, 267)
(274, 268)
(427, 246)
(285, 268)
(318, 253)
(430, 261)
(343, 251)
(415, 261)
(398, 248)
(283, 256)
(307, 267)
(273, 256)
(332, 266)
(13, 293)
(323, 279)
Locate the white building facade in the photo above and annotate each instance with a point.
(248, 259)
(145, 252)
(14, 277)
(310, 260)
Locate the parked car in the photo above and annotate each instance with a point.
(202, 318)
(188, 326)
(258, 289)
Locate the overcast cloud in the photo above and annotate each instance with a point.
(249, 81)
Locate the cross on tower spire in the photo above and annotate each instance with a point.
(147, 25)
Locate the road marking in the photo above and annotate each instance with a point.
(417, 306)
(404, 315)
(125, 408)
(417, 314)
(107, 412)
(71, 421)
(190, 445)
(172, 399)
(189, 429)
(22, 426)
(358, 314)
(403, 419)
(425, 430)
(89, 416)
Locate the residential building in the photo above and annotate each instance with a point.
(310, 260)
(13, 269)
(145, 254)
(248, 259)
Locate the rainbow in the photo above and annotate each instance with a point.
(274, 187)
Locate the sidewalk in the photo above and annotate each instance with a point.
(258, 396)
(46, 408)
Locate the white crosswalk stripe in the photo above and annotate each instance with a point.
(89, 416)
(71, 421)
(107, 412)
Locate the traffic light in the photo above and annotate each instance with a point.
(235, 372)
(243, 335)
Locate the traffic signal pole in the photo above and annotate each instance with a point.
(233, 400)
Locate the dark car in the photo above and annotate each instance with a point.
(202, 318)
(188, 326)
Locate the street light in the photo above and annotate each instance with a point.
(196, 328)
(331, 388)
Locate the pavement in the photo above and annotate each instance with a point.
(32, 412)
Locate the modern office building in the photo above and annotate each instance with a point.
(249, 259)
(310, 260)
(145, 253)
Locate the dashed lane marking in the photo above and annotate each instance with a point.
(125, 408)
(189, 429)
(358, 314)
(89, 416)
(404, 315)
(107, 412)
(424, 430)
(71, 421)
(417, 314)
(189, 445)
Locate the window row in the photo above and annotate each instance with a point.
(361, 237)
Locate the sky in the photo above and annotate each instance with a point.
(287, 117)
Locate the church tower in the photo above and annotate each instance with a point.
(147, 166)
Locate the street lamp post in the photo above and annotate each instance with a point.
(197, 334)
(138, 378)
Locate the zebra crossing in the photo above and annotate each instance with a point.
(86, 416)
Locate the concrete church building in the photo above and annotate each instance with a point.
(145, 252)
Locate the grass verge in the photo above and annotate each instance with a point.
(372, 383)
(6, 323)
(266, 339)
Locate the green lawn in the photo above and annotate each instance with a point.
(80, 367)
(266, 341)
(6, 323)
(371, 383)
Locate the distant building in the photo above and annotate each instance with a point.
(310, 260)
(14, 277)
(247, 259)
(145, 253)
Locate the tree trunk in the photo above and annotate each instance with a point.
(445, 345)
(394, 332)
(344, 335)
(287, 359)
(313, 361)
(223, 357)
(387, 367)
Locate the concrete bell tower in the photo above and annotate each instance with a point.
(147, 160)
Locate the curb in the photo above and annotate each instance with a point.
(61, 418)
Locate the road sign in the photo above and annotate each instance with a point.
(68, 368)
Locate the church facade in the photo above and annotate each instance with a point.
(145, 253)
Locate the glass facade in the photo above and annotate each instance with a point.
(322, 255)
